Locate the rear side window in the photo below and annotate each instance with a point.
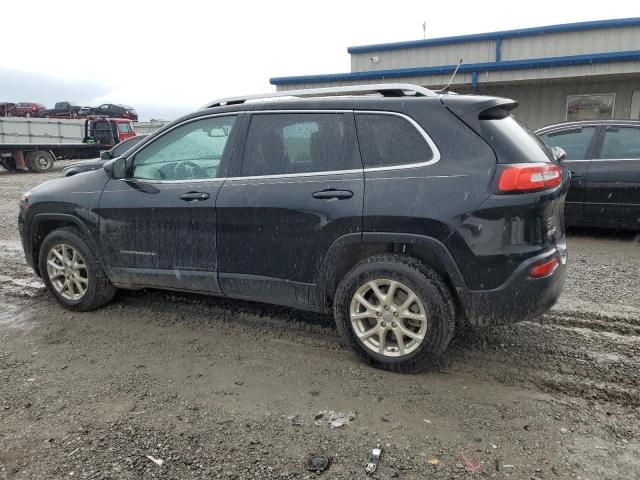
(387, 140)
(575, 141)
(290, 143)
(621, 142)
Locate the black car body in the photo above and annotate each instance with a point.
(114, 110)
(97, 163)
(66, 110)
(445, 196)
(604, 159)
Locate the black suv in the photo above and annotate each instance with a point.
(404, 213)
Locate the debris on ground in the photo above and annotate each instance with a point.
(334, 419)
(373, 460)
(157, 461)
(296, 420)
(433, 461)
(318, 463)
(470, 465)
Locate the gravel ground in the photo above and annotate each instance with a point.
(213, 388)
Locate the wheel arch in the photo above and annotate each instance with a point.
(45, 223)
(350, 249)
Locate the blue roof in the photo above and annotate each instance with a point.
(584, 59)
(479, 37)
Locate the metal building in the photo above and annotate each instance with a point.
(562, 72)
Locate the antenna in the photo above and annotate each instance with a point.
(424, 29)
(446, 89)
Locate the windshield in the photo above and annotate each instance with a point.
(122, 147)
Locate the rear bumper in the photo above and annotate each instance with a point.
(520, 298)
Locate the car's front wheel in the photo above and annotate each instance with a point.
(395, 312)
(72, 273)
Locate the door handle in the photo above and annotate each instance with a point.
(574, 175)
(194, 196)
(330, 194)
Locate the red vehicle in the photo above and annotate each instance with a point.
(110, 130)
(26, 109)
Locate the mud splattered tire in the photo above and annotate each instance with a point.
(40, 161)
(395, 313)
(72, 273)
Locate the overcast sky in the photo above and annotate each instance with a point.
(166, 59)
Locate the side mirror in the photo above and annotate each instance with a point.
(559, 154)
(116, 168)
(105, 155)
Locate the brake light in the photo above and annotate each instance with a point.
(544, 269)
(528, 177)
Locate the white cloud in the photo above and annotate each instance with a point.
(179, 55)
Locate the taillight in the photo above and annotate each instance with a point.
(544, 269)
(529, 177)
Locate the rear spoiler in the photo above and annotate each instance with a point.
(473, 108)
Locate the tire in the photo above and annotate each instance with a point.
(98, 292)
(39, 161)
(433, 302)
(8, 163)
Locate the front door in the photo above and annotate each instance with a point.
(297, 190)
(158, 227)
(578, 143)
(612, 193)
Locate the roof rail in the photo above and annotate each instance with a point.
(384, 89)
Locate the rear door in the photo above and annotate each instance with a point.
(158, 227)
(612, 193)
(298, 188)
(578, 143)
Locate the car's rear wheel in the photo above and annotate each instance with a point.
(40, 161)
(72, 273)
(395, 312)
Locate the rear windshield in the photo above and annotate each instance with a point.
(513, 142)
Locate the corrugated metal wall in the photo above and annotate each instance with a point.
(536, 46)
(572, 43)
(426, 56)
(545, 103)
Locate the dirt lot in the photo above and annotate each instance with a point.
(228, 389)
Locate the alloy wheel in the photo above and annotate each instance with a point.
(67, 272)
(388, 318)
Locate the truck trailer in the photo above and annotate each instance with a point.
(42, 141)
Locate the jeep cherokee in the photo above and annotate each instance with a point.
(404, 212)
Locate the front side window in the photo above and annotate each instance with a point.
(191, 151)
(125, 127)
(387, 140)
(621, 142)
(575, 141)
(283, 143)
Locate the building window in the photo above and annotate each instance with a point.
(597, 106)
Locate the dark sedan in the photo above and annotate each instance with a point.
(604, 159)
(115, 110)
(96, 163)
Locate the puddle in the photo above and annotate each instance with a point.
(12, 316)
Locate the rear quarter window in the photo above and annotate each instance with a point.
(388, 140)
